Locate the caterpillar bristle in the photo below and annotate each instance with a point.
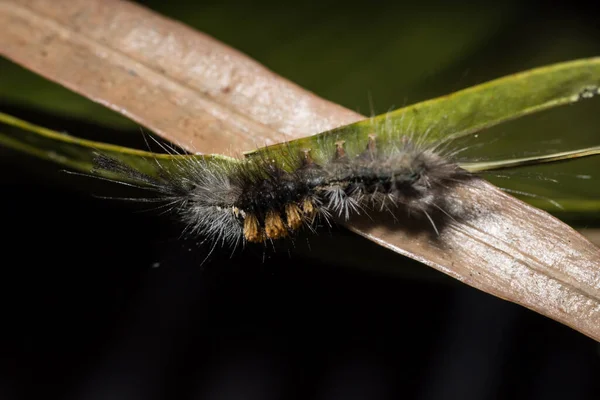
(252, 230)
(309, 210)
(274, 226)
(293, 216)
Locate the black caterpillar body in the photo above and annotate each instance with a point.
(255, 200)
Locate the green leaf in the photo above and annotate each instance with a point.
(79, 154)
(470, 110)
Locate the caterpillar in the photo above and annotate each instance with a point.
(258, 199)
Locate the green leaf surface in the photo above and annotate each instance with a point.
(79, 154)
(468, 111)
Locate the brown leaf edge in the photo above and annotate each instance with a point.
(201, 94)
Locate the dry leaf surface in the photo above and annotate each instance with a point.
(208, 97)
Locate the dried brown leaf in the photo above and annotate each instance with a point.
(186, 86)
(206, 96)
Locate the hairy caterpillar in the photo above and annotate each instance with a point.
(256, 200)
